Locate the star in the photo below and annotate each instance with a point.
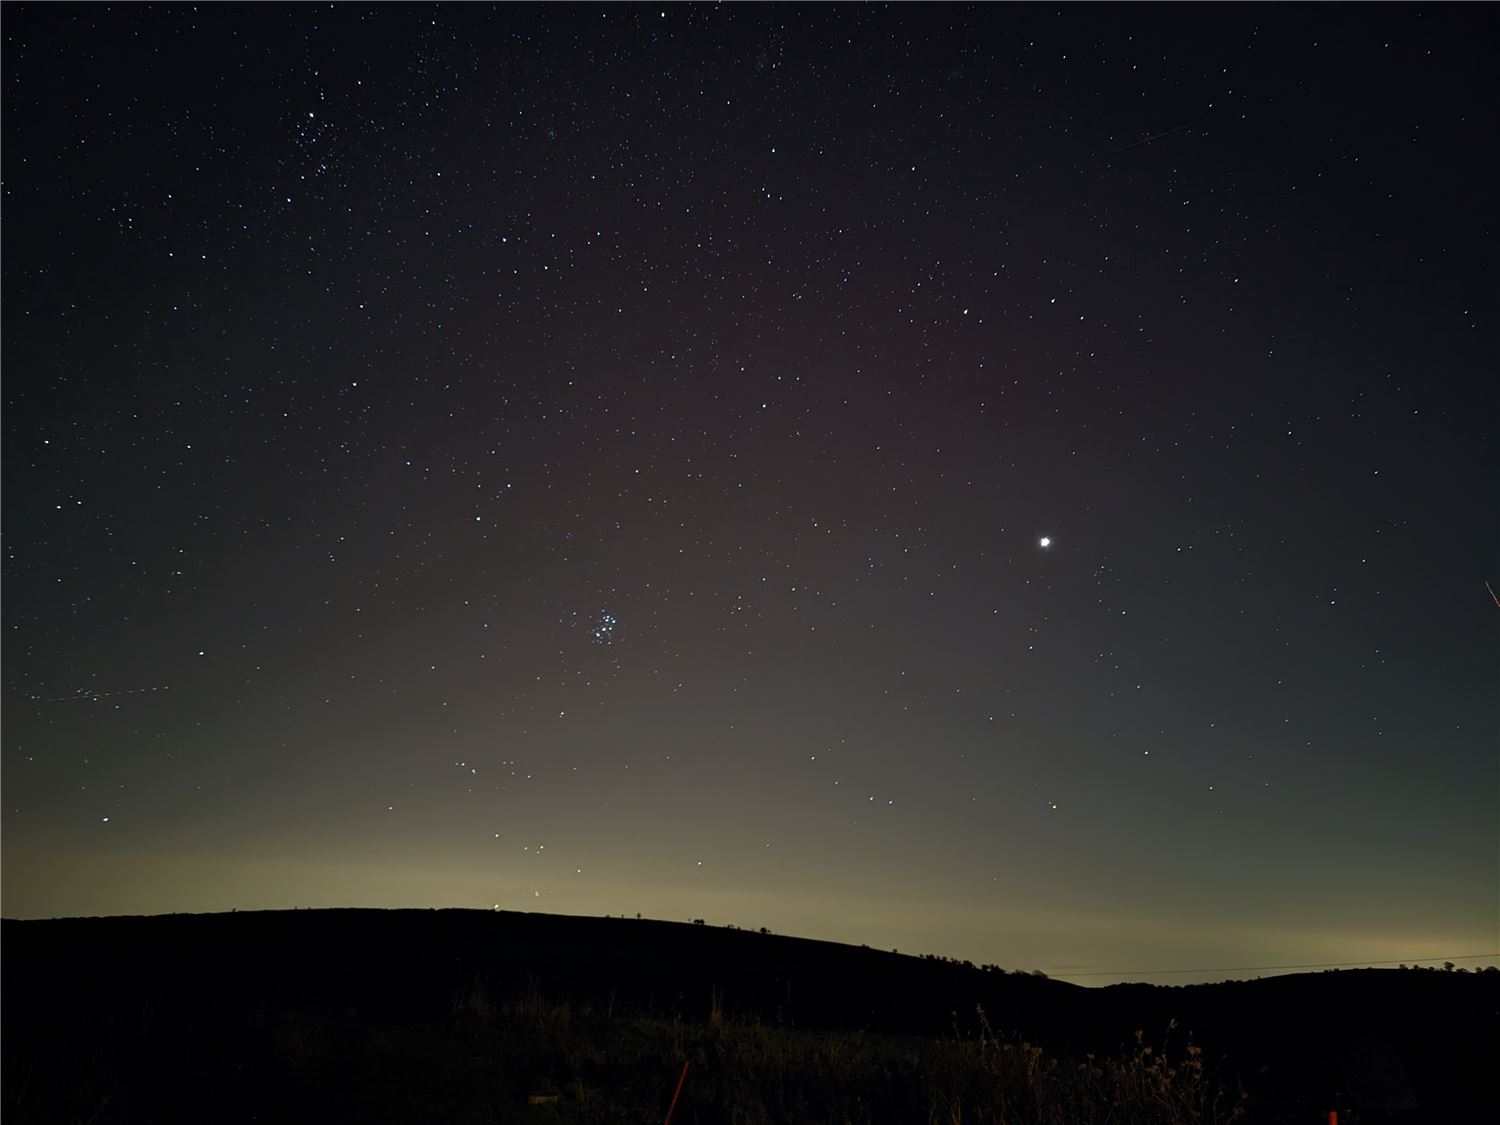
(1045, 541)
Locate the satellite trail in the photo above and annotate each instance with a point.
(87, 695)
(1154, 138)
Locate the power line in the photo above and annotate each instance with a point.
(1268, 968)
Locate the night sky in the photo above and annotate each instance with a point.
(1015, 483)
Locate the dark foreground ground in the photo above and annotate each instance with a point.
(465, 1016)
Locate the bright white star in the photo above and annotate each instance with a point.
(1045, 540)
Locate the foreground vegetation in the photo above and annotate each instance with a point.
(601, 1071)
(524, 1058)
(462, 1016)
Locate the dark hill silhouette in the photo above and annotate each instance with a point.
(180, 1011)
(403, 966)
